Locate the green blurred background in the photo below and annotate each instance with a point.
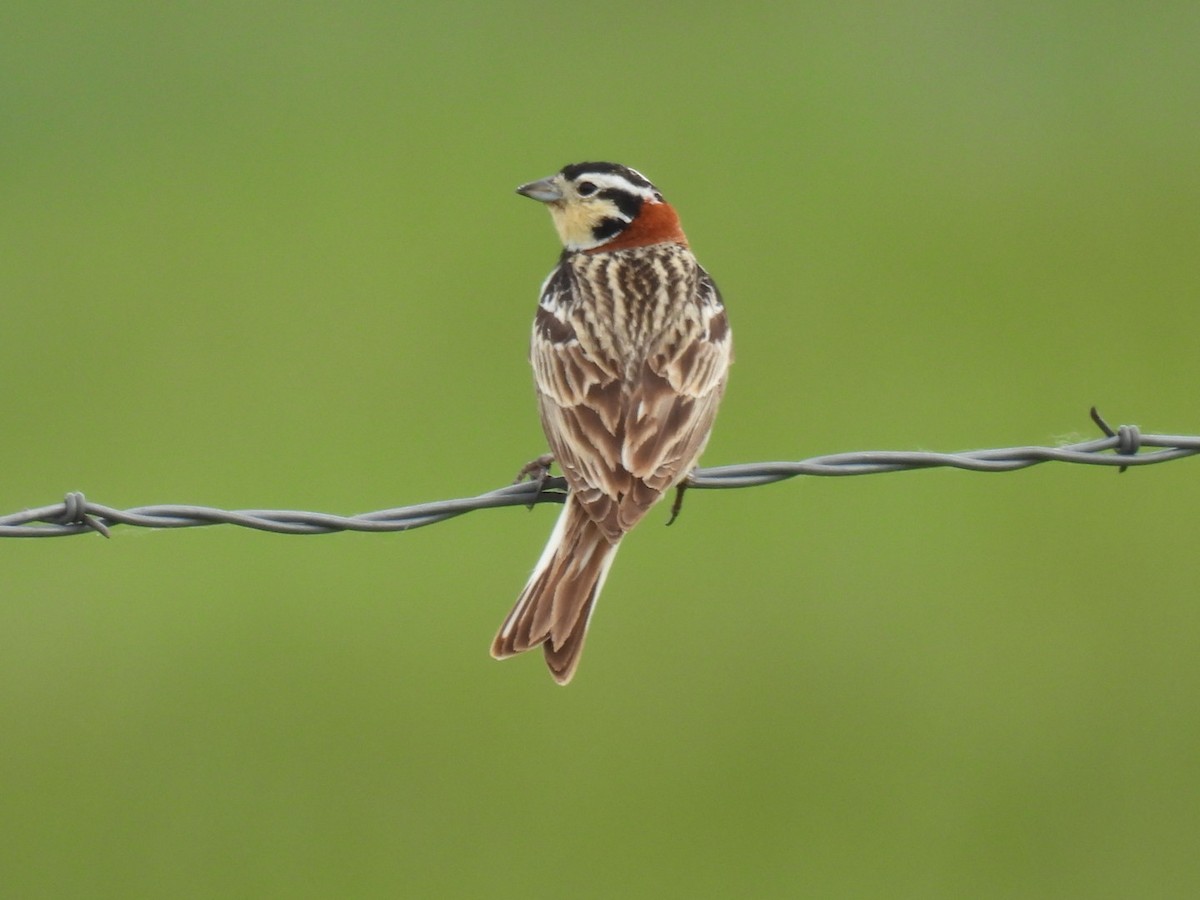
(268, 255)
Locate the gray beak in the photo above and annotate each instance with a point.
(545, 190)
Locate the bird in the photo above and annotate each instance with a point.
(630, 351)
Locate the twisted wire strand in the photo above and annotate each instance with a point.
(78, 515)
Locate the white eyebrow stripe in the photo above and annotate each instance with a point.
(604, 180)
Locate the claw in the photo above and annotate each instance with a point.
(537, 471)
(677, 506)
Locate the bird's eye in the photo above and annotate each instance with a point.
(585, 189)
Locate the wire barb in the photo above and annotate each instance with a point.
(1129, 437)
(1125, 447)
(75, 512)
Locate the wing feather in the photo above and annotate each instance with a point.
(675, 401)
(621, 441)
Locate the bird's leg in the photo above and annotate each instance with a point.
(537, 471)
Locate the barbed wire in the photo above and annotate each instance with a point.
(78, 515)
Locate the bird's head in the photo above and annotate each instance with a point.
(600, 206)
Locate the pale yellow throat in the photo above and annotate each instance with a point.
(575, 221)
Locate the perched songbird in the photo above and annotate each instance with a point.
(631, 349)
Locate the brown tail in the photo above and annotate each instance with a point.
(554, 609)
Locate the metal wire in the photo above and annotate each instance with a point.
(77, 515)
